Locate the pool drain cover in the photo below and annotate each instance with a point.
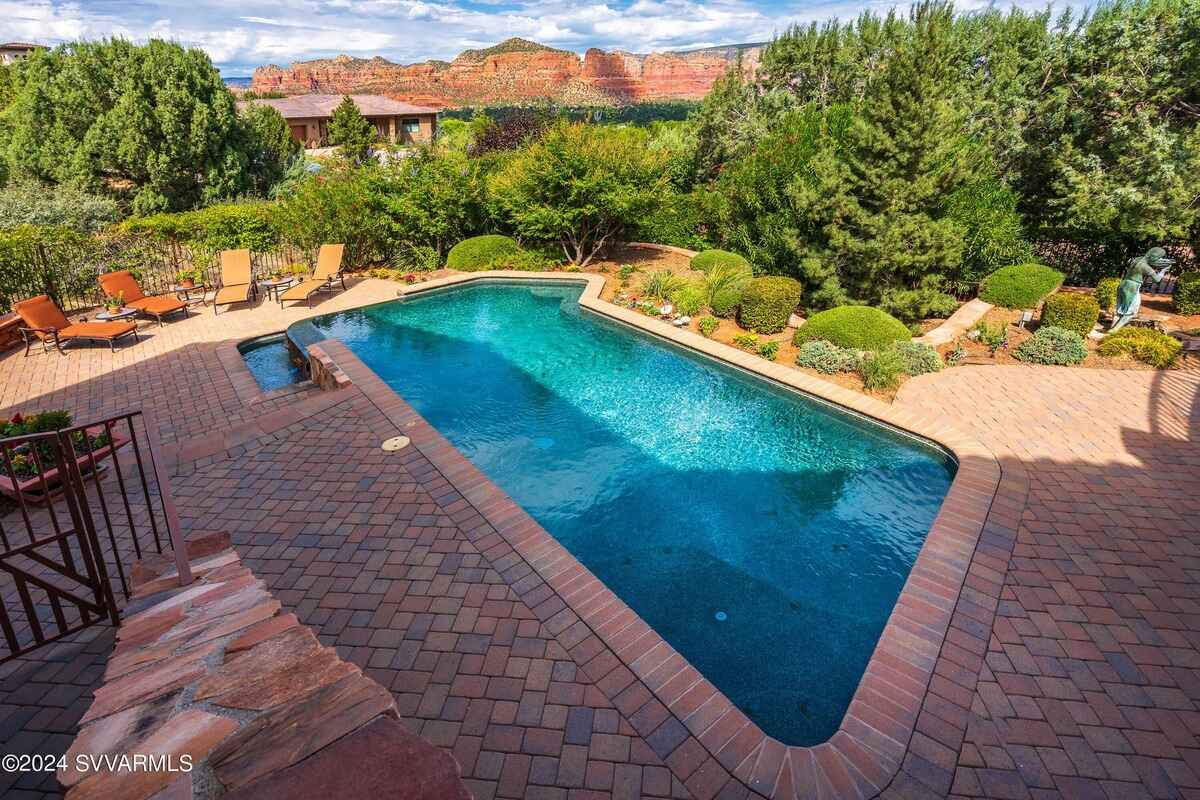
(721, 616)
(396, 443)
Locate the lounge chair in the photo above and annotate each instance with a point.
(122, 284)
(46, 322)
(237, 279)
(329, 269)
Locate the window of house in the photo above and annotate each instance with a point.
(411, 125)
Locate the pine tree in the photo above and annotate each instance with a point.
(351, 131)
(907, 152)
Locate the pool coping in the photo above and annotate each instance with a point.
(869, 748)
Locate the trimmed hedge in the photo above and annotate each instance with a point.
(1071, 311)
(768, 302)
(1106, 293)
(707, 259)
(859, 327)
(1145, 344)
(1187, 293)
(1051, 345)
(481, 252)
(1020, 286)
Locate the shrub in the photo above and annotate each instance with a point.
(33, 204)
(994, 336)
(746, 341)
(662, 284)
(769, 350)
(708, 326)
(1145, 344)
(688, 299)
(1051, 345)
(482, 252)
(677, 220)
(914, 305)
(768, 302)
(882, 370)
(1020, 286)
(1106, 293)
(725, 303)
(707, 259)
(1071, 311)
(859, 327)
(992, 233)
(826, 357)
(1187, 293)
(919, 358)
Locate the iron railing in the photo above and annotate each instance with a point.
(82, 503)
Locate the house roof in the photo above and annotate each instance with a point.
(20, 46)
(322, 105)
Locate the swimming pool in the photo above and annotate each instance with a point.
(268, 358)
(764, 535)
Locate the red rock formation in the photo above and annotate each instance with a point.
(513, 72)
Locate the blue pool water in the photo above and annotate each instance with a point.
(270, 362)
(762, 534)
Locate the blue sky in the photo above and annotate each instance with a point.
(242, 34)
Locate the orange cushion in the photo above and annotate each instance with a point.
(115, 283)
(41, 312)
(233, 294)
(157, 305)
(96, 330)
(302, 290)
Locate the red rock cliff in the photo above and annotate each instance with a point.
(513, 72)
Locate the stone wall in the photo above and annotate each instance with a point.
(215, 673)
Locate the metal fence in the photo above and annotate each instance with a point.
(81, 503)
(67, 270)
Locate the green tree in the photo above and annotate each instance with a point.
(345, 204)
(727, 123)
(436, 201)
(270, 147)
(351, 131)
(907, 151)
(152, 121)
(581, 186)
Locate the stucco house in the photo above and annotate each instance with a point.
(11, 51)
(308, 117)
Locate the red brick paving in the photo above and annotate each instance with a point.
(1068, 670)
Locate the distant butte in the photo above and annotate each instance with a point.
(515, 72)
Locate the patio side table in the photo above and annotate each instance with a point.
(185, 293)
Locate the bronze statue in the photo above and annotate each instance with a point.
(1129, 294)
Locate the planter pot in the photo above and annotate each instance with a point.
(32, 488)
(188, 284)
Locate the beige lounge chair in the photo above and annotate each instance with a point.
(237, 279)
(329, 269)
(123, 285)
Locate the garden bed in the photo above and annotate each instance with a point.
(41, 488)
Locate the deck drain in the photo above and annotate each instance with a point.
(396, 443)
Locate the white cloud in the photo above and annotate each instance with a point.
(241, 34)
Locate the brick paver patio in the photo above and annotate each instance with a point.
(1069, 669)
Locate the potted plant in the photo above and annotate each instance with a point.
(187, 278)
(31, 468)
(298, 269)
(114, 303)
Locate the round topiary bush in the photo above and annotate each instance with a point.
(1187, 293)
(1106, 293)
(1071, 311)
(707, 259)
(725, 302)
(1020, 286)
(1145, 344)
(1050, 345)
(482, 252)
(860, 327)
(768, 302)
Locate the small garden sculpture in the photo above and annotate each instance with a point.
(1129, 294)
